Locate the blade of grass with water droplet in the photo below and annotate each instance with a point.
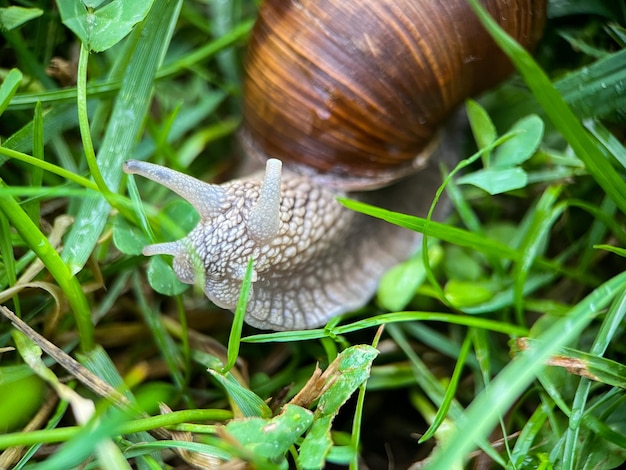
(124, 126)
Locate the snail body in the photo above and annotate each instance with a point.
(334, 93)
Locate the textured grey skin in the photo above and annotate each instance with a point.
(324, 259)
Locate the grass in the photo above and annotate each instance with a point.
(500, 343)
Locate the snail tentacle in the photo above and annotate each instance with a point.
(167, 248)
(207, 199)
(264, 220)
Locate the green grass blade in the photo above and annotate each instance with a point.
(56, 121)
(248, 403)
(38, 243)
(455, 235)
(9, 266)
(83, 122)
(608, 140)
(528, 435)
(108, 88)
(124, 127)
(390, 318)
(68, 175)
(52, 423)
(442, 412)
(432, 386)
(609, 372)
(62, 434)
(558, 111)
(533, 242)
(485, 410)
(9, 87)
(234, 340)
(32, 208)
(169, 350)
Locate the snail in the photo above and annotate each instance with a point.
(339, 98)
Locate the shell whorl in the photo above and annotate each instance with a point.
(353, 92)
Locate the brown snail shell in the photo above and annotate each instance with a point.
(354, 91)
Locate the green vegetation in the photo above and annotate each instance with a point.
(501, 341)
